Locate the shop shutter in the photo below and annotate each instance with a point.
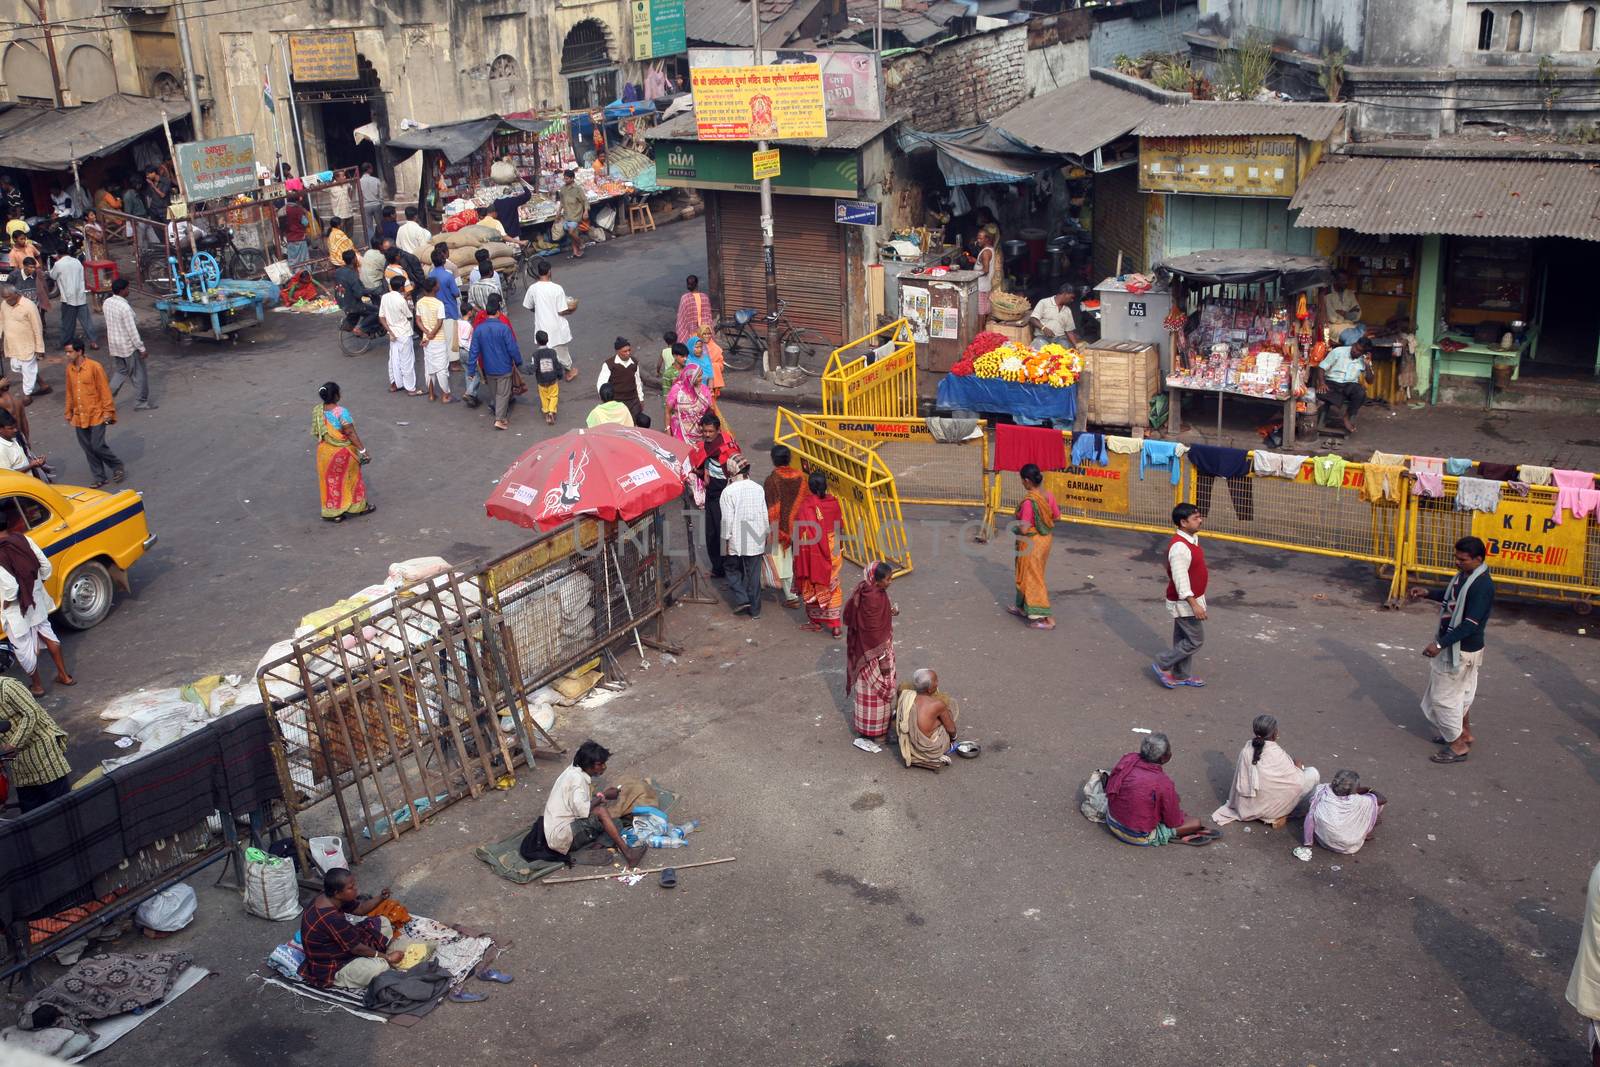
(810, 254)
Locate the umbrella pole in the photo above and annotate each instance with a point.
(627, 603)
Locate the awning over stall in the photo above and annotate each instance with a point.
(457, 140)
(56, 137)
(1242, 266)
(980, 155)
(1458, 197)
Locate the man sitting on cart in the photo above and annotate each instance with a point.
(355, 299)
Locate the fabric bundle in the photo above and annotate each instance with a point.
(1382, 481)
(1497, 472)
(1457, 467)
(1477, 494)
(1575, 492)
(1127, 446)
(1387, 459)
(1328, 470)
(1537, 475)
(1427, 465)
(1089, 448)
(1430, 483)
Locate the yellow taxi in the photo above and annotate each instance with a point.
(91, 538)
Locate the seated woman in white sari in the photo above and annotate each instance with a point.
(1267, 784)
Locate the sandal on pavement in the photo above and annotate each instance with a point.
(1204, 837)
(1164, 678)
(462, 996)
(489, 974)
(1448, 756)
(669, 877)
(1018, 612)
(1193, 683)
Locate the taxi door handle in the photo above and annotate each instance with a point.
(59, 527)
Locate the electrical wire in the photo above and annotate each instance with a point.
(190, 13)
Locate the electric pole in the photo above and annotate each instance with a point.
(195, 119)
(768, 259)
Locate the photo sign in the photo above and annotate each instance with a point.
(759, 103)
(223, 167)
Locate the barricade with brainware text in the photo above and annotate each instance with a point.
(873, 376)
(874, 528)
(925, 471)
(1531, 554)
(1113, 494)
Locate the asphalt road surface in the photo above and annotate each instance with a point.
(875, 915)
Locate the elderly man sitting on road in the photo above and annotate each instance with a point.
(1142, 803)
(925, 720)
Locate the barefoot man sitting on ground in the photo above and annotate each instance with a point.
(925, 720)
(575, 816)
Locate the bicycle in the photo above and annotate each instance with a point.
(235, 262)
(743, 345)
(354, 341)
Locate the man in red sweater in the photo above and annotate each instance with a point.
(1186, 599)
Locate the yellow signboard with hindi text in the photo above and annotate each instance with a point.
(1523, 536)
(781, 102)
(765, 164)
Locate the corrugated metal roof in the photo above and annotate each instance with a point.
(1076, 118)
(1243, 118)
(727, 22)
(1461, 197)
(842, 133)
(915, 20)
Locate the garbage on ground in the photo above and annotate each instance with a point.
(168, 911)
(867, 746)
(651, 827)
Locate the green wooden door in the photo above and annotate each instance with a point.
(1201, 223)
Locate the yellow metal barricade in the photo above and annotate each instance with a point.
(874, 528)
(862, 379)
(926, 471)
(1530, 553)
(1113, 494)
(1341, 521)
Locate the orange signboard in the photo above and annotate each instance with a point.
(759, 103)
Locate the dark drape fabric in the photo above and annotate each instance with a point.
(171, 790)
(50, 857)
(868, 627)
(249, 771)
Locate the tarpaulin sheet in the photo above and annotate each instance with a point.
(980, 155)
(59, 136)
(1241, 266)
(457, 140)
(959, 392)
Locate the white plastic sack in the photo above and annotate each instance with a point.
(407, 571)
(141, 700)
(171, 909)
(270, 890)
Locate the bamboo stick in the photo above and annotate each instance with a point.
(619, 874)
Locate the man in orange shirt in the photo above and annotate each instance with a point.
(90, 409)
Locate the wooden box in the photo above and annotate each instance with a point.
(1022, 333)
(1122, 377)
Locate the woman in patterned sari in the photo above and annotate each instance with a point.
(1037, 516)
(339, 458)
(869, 652)
(818, 557)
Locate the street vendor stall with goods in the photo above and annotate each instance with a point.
(1000, 376)
(1244, 324)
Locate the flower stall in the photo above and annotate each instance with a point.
(996, 375)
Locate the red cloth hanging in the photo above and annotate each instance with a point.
(1017, 446)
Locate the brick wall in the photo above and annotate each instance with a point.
(962, 83)
(1136, 30)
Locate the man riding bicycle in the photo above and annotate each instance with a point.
(355, 299)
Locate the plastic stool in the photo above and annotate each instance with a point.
(98, 289)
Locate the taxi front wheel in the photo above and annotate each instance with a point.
(86, 597)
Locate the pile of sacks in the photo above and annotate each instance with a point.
(465, 242)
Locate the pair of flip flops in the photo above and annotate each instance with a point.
(486, 974)
(1199, 838)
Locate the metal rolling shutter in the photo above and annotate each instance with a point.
(810, 254)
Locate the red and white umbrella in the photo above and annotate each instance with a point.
(610, 472)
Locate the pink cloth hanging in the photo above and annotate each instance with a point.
(1575, 492)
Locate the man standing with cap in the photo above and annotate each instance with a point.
(621, 372)
(744, 535)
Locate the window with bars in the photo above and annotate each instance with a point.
(585, 47)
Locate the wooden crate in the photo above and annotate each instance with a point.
(1022, 333)
(1122, 377)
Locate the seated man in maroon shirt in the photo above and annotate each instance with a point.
(1142, 803)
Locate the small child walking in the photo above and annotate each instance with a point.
(549, 366)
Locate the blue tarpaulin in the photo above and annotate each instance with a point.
(980, 155)
(959, 392)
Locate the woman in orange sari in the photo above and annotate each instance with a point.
(1037, 516)
(339, 458)
(818, 556)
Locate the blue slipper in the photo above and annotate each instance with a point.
(491, 975)
(1164, 678)
(461, 996)
(669, 877)
(1194, 683)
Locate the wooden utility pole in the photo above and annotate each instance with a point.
(50, 51)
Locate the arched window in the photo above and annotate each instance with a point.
(90, 74)
(1514, 32)
(1486, 31)
(27, 72)
(585, 48)
(1586, 30)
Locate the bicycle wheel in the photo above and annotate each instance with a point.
(806, 349)
(352, 343)
(157, 273)
(248, 263)
(740, 350)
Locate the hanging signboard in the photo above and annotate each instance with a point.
(1523, 536)
(324, 57)
(223, 167)
(1221, 166)
(659, 28)
(766, 164)
(852, 88)
(855, 212)
(759, 103)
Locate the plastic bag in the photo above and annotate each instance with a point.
(270, 889)
(169, 910)
(647, 821)
(407, 571)
(1093, 805)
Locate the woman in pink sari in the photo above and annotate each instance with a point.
(689, 399)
